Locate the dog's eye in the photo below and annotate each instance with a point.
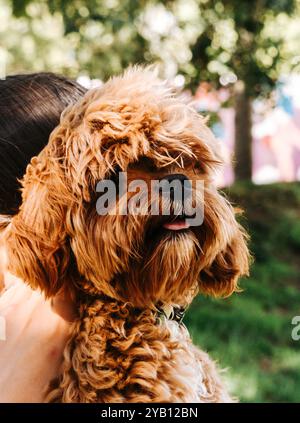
(193, 165)
(197, 167)
(147, 164)
(114, 174)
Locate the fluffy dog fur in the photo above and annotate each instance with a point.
(120, 268)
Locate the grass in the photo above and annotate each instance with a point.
(250, 333)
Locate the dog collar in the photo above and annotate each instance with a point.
(171, 313)
(166, 311)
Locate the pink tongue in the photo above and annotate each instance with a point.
(177, 225)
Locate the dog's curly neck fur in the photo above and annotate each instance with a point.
(121, 353)
(129, 265)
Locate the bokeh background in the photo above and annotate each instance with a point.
(240, 61)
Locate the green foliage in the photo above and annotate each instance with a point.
(255, 53)
(250, 332)
(203, 39)
(19, 7)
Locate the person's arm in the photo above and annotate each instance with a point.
(32, 351)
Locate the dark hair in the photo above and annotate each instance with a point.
(30, 108)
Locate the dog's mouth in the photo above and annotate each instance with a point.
(178, 224)
(160, 227)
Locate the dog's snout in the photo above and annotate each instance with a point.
(175, 177)
(176, 186)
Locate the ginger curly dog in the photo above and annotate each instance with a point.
(132, 274)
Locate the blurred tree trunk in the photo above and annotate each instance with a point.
(243, 137)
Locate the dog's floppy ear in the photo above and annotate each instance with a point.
(227, 256)
(38, 248)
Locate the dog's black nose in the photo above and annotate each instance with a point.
(175, 177)
(176, 185)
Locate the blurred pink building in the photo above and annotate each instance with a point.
(276, 132)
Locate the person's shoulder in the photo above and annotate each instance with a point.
(14, 289)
